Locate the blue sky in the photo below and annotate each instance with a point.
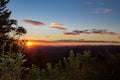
(74, 14)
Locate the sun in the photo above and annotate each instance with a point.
(29, 43)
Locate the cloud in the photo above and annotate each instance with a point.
(76, 32)
(34, 23)
(47, 36)
(81, 31)
(111, 33)
(104, 32)
(99, 31)
(70, 33)
(92, 31)
(119, 36)
(101, 10)
(82, 40)
(107, 10)
(72, 40)
(93, 3)
(58, 26)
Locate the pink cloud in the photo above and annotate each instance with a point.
(34, 23)
(58, 26)
(106, 10)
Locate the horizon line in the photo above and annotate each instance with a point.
(57, 41)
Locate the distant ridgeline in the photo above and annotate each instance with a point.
(42, 55)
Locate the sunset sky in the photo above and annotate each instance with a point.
(96, 20)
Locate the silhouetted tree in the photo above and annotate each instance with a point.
(10, 32)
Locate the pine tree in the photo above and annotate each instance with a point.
(9, 30)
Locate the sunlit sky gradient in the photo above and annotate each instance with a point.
(72, 14)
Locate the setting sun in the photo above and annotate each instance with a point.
(29, 43)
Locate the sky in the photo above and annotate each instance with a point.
(51, 20)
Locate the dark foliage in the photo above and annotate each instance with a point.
(10, 32)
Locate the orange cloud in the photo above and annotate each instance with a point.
(34, 23)
(58, 26)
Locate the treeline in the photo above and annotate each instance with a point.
(75, 67)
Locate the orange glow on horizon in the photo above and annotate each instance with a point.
(29, 43)
(32, 43)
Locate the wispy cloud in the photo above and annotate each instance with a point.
(119, 36)
(81, 31)
(47, 36)
(101, 10)
(82, 40)
(58, 26)
(77, 32)
(72, 40)
(92, 31)
(34, 23)
(93, 3)
(104, 32)
(70, 33)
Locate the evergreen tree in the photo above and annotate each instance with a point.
(10, 32)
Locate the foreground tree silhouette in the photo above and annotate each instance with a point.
(10, 32)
